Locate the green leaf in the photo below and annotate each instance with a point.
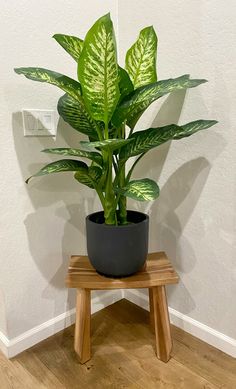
(64, 165)
(132, 107)
(65, 83)
(93, 156)
(71, 44)
(145, 140)
(98, 70)
(141, 190)
(89, 176)
(125, 84)
(192, 127)
(74, 113)
(141, 58)
(111, 144)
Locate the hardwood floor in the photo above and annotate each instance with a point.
(123, 357)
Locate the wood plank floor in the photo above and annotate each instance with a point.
(123, 357)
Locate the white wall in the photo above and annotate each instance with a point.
(194, 218)
(41, 224)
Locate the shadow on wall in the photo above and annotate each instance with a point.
(183, 187)
(178, 199)
(55, 228)
(165, 228)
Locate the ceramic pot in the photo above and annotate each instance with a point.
(117, 251)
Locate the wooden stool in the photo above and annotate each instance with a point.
(158, 272)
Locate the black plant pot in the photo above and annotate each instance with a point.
(117, 251)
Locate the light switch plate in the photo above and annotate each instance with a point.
(39, 122)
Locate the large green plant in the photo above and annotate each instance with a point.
(105, 100)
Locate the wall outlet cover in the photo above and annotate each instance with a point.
(39, 122)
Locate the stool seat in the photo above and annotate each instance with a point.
(156, 273)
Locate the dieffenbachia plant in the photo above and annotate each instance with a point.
(106, 100)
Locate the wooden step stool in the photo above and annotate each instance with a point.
(158, 272)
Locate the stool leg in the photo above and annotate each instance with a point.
(82, 325)
(151, 315)
(161, 322)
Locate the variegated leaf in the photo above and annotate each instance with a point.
(64, 165)
(133, 106)
(125, 84)
(65, 83)
(92, 155)
(75, 113)
(95, 173)
(192, 127)
(89, 176)
(98, 70)
(111, 144)
(71, 44)
(152, 137)
(141, 58)
(141, 190)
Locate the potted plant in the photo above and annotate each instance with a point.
(105, 104)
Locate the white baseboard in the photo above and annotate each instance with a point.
(12, 347)
(3, 344)
(192, 326)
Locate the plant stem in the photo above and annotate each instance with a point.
(122, 212)
(122, 202)
(101, 196)
(99, 132)
(132, 168)
(109, 211)
(110, 199)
